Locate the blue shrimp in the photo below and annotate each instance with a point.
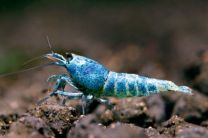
(93, 80)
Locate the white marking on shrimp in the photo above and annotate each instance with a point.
(107, 81)
(116, 83)
(136, 85)
(127, 85)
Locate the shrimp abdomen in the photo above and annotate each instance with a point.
(128, 85)
(123, 85)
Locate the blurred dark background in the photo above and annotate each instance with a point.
(158, 39)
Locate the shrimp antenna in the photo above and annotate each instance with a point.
(31, 60)
(49, 44)
(39, 57)
(21, 71)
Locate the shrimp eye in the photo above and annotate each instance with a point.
(68, 55)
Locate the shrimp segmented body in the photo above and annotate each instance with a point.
(94, 80)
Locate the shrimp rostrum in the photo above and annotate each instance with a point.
(93, 80)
